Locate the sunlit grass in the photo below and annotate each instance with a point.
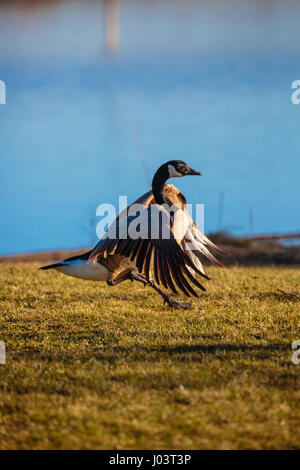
(91, 366)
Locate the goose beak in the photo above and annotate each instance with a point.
(193, 172)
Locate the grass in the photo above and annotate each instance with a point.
(90, 366)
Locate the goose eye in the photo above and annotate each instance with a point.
(181, 170)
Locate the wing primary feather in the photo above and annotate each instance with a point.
(126, 246)
(187, 260)
(98, 250)
(135, 250)
(128, 249)
(161, 270)
(142, 255)
(110, 246)
(186, 284)
(176, 276)
(121, 245)
(211, 257)
(191, 277)
(171, 246)
(168, 276)
(195, 261)
(183, 279)
(148, 261)
(156, 267)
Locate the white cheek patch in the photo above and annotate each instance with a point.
(173, 173)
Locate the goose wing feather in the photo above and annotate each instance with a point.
(153, 245)
(196, 245)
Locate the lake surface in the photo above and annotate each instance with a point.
(95, 90)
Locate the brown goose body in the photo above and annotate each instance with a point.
(119, 265)
(173, 262)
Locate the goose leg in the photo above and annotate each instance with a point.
(167, 297)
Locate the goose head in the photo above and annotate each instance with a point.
(171, 169)
(178, 168)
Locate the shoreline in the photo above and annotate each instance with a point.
(42, 256)
(243, 251)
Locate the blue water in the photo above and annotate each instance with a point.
(208, 82)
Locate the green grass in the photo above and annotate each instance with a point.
(90, 366)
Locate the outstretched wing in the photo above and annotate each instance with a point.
(148, 241)
(196, 245)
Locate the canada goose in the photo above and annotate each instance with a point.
(166, 243)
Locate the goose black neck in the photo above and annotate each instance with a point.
(158, 184)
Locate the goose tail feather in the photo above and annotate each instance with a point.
(82, 257)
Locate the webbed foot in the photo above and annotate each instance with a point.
(175, 303)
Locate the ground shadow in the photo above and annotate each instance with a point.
(180, 352)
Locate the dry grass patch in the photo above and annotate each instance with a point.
(90, 366)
